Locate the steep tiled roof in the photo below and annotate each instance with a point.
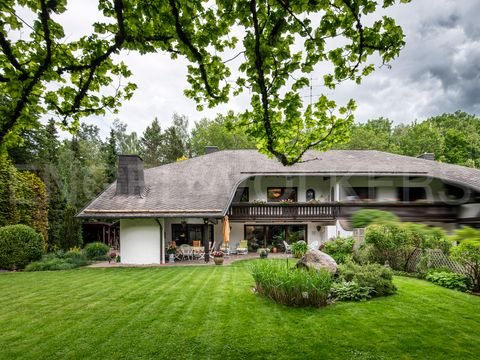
(204, 186)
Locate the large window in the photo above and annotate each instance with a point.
(259, 236)
(241, 195)
(411, 193)
(187, 233)
(277, 194)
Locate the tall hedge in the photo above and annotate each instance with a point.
(19, 245)
(23, 198)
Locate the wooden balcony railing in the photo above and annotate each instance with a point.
(331, 211)
(248, 211)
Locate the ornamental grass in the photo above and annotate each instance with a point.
(290, 286)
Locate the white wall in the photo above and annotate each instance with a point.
(469, 211)
(139, 241)
(257, 188)
(386, 186)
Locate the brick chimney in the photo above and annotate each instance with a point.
(130, 180)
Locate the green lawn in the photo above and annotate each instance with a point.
(211, 312)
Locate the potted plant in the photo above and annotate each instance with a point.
(171, 251)
(218, 257)
(263, 252)
(112, 256)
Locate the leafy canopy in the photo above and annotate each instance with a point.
(44, 71)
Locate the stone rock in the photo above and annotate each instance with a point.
(318, 260)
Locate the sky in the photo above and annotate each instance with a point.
(438, 71)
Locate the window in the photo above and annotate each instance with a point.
(186, 233)
(411, 193)
(241, 195)
(361, 193)
(310, 195)
(277, 194)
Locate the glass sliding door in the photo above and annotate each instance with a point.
(262, 236)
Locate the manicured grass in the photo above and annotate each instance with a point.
(211, 312)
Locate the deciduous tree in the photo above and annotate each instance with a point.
(44, 72)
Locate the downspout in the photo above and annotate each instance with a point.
(162, 242)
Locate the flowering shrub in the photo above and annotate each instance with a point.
(218, 253)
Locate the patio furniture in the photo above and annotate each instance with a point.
(198, 252)
(186, 252)
(226, 249)
(288, 248)
(242, 248)
(196, 243)
(314, 245)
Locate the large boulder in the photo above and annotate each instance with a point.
(315, 259)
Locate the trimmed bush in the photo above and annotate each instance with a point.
(377, 278)
(449, 280)
(19, 245)
(96, 251)
(291, 287)
(340, 249)
(350, 291)
(59, 261)
(363, 218)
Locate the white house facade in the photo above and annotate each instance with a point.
(267, 203)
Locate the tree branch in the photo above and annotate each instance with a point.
(287, 8)
(7, 50)
(263, 88)
(26, 91)
(194, 51)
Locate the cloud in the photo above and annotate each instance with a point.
(438, 71)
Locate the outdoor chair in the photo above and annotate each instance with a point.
(186, 252)
(242, 248)
(196, 243)
(288, 248)
(314, 245)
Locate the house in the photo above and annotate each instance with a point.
(268, 203)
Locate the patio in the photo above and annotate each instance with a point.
(197, 262)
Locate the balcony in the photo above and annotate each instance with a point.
(273, 211)
(406, 211)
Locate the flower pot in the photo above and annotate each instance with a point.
(218, 260)
(274, 250)
(171, 258)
